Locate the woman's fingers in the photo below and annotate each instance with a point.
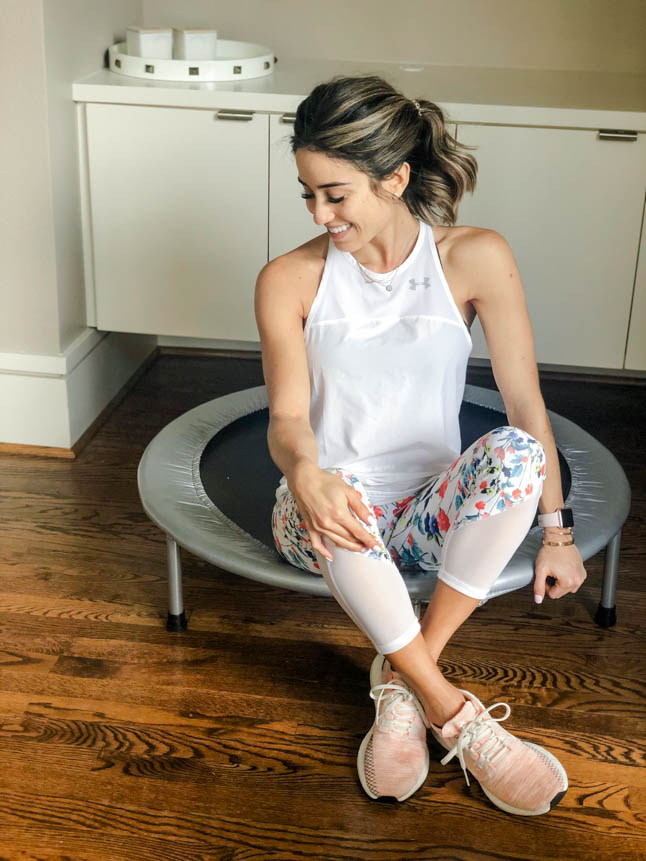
(364, 515)
(333, 533)
(349, 535)
(362, 535)
(557, 590)
(317, 543)
(344, 528)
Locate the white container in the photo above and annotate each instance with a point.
(236, 61)
(195, 44)
(155, 43)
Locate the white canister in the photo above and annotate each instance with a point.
(195, 44)
(155, 43)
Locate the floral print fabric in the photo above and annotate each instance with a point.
(495, 472)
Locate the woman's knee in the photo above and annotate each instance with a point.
(507, 438)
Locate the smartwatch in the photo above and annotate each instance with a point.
(560, 517)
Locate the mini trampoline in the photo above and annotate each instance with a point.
(207, 480)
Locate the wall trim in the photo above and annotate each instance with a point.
(53, 366)
(52, 403)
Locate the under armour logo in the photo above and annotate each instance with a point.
(413, 283)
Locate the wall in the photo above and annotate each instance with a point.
(56, 374)
(29, 314)
(43, 47)
(551, 34)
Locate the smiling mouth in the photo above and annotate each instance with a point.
(341, 233)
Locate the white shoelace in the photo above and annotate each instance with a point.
(480, 728)
(389, 717)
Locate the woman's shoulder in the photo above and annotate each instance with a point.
(310, 253)
(459, 236)
(303, 267)
(466, 242)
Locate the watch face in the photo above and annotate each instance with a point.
(566, 517)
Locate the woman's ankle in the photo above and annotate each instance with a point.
(439, 706)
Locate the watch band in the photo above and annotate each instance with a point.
(560, 517)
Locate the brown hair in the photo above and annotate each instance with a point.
(367, 122)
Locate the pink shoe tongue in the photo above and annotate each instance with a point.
(454, 725)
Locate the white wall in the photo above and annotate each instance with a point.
(44, 46)
(594, 35)
(29, 313)
(51, 365)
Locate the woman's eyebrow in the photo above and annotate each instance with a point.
(325, 185)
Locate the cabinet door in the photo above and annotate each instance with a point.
(569, 204)
(179, 219)
(290, 222)
(636, 346)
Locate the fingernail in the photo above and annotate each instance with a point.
(538, 599)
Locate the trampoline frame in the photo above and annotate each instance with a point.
(174, 498)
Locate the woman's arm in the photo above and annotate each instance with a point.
(499, 300)
(292, 445)
(489, 265)
(279, 317)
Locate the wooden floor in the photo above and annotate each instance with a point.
(238, 739)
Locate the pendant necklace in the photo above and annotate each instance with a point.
(387, 284)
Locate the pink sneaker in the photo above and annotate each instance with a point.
(393, 759)
(517, 776)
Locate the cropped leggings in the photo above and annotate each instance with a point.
(470, 519)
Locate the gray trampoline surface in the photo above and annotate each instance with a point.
(223, 514)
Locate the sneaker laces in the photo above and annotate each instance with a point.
(397, 693)
(483, 729)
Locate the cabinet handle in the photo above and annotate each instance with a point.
(288, 118)
(229, 114)
(617, 135)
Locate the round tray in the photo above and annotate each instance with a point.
(235, 60)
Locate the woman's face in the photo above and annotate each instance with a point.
(350, 200)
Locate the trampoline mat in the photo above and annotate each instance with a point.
(240, 477)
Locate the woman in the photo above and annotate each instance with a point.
(365, 341)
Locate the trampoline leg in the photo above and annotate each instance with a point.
(176, 621)
(417, 607)
(606, 612)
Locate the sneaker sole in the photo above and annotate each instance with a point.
(362, 771)
(506, 807)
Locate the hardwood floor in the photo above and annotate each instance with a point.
(238, 738)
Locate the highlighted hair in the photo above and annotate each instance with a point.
(367, 122)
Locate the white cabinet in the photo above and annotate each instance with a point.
(636, 344)
(290, 222)
(570, 205)
(179, 218)
(184, 202)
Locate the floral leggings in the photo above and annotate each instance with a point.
(492, 488)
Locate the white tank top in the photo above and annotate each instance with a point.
(387, 371)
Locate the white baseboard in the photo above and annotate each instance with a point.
(52, 400)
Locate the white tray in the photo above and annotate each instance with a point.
(235, 60)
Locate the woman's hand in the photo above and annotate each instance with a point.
(564, 565)
(322, 500)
